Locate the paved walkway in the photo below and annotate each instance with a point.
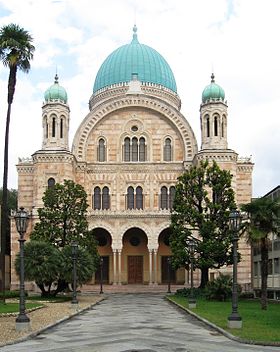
(133, 322)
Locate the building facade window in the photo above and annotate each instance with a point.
(53, 126)
(101, 198)
(167, 197)
(134, 149)
(134, 198)
(101, 152)
(167, 150)
(51, 182)
(207, 126)
(61, 128)
(216, 125)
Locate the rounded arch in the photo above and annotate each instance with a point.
(133, 234)
(168, 112)
(139, 225)
(102, 236)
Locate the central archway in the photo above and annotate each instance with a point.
(135, 256)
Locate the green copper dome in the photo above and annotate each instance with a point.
(135, 59)
(56, 92)
(213, 91)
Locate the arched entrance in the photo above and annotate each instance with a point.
(135, 256)
(104, 242)
(164, 252)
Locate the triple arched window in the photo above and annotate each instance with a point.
(101, 198)
(134, 149)
(166, 197)
(134, 198)
(101, 150)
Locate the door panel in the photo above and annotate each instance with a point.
(135, 269)
(164, 271)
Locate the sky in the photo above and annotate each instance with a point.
(236, 39)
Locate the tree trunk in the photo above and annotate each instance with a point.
(204, 277)
(264, 272)
(4, 213)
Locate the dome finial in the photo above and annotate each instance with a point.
(135, 38)
(56, 79)
(212, 78)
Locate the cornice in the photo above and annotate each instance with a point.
(126, 214)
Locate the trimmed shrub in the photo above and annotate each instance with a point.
(219, 289)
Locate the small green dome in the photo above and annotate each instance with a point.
(138, 60)
(213, 91)
(56, 92)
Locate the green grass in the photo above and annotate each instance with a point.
(14, 307)
(258, 325)
(57, 299)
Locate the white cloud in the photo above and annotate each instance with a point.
(236, 38)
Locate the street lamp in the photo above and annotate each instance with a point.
(74, 246)
(235, 320)
(192, 300)
(22, 320)
(101, 275)
(168, 274)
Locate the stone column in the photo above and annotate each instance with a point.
(114, 266)
(150, 266)
(155, 268)
(120, 266)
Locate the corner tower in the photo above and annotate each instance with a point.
(213, 117)
(55, 115)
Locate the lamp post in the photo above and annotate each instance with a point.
(168, 274)
(101, 275)
(192, 300)
(74, 246)
(22, 320)
(235, 320)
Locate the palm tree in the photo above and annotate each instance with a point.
(16, 51)
(264, 219)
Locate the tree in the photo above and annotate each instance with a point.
(264, 220)
(203, 201)
(63, 220)
(16, 51)
(46, 265)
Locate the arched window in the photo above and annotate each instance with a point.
(163, 198)
(51, 182)
(207, 126)
(61, 128)
(134, 149)
(97, 198)
(130, 198)
(171, 196)
(127, 149)
(105, 198)
(223, 125)
(142, 149)
(101, 150)
(139, 198)
(215, 125)
(167, 150)
(53, 126)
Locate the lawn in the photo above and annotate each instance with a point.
(13, 307)
(258, 325)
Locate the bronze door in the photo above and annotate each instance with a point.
(135, 269)
(164, 271)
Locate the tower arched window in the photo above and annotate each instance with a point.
(142, 149)
(171, 196)
(61, 128)
(97, 198)
(127, 149)
(101, 150)
(130, 198)
(215, 125)
(139, 198)
(223, 125)
(167, 150)
(53, 126)
(51, 182)
(134, 149)
(105, 198)
(163, 198)
(207, 126)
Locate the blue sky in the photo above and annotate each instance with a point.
(236, 39)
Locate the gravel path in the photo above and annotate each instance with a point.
(43, 317)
